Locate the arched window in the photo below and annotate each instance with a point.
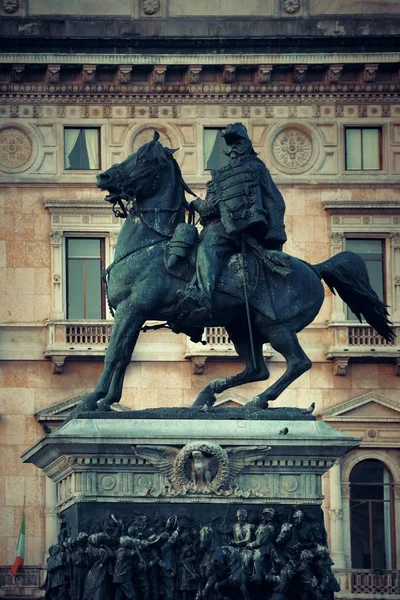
(371, 516)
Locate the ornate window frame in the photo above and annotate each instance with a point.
(376, 420)
(366, 219)
(77, 218)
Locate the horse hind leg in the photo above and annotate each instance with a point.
(284, 341)
(252, 372)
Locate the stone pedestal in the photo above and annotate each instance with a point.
(201, 471)
(120, 460)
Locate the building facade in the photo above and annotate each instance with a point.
(81, 87)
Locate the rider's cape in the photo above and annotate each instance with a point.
(245, 198)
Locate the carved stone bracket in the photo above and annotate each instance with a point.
(229, 74)
(263, 73)
(56, 237)
(17, 74)
(192, 74)
(299, 73)
(395, 239)
(124, 74)
(53, 73)
(333, 73)
(58, 364)
(88, 73)
(340, 366)
(198, 363)
(158, 74)
(369, 73)
(291, 6)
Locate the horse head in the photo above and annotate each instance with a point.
(206, 537)
(139, 176)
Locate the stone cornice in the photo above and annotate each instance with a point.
(353, 207)
(58, 206)
(213, 93)
(201, 59)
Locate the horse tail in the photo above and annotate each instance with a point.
(347, 274)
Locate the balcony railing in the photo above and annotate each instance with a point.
(91, 338)
(360, 342)
(375, 582)
(361, 335)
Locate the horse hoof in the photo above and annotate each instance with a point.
(103, 406)
(87, 404)
(204, 398)
(257, 404)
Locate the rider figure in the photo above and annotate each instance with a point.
(241, 202)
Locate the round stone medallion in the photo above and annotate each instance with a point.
(290, 483)
(292, 148)
(108, 482)
(15, 148)
(146, 135)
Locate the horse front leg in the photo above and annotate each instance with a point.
(121, 349)
(125, 332)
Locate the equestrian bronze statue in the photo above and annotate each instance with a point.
(240, 279)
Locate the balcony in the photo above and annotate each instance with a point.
(366, 583)
(26, 584)
(76, 338)
(217, 345)
(361, 343)
(90, 339)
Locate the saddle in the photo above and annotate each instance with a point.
(180, 262)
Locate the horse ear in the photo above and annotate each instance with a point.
(171, 151)
(156, 136)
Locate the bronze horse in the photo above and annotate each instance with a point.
(150, 190)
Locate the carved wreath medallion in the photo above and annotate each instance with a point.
(150, 7)
(10, 6)
(15, 147)
(292, 148)
(146, 135)
(202, 467)
(291, 6)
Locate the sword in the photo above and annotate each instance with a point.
(246, 299)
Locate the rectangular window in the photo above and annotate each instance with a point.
(214, 148)
(81, 148)
(363, 148)
(85, 293)
(372, 251)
